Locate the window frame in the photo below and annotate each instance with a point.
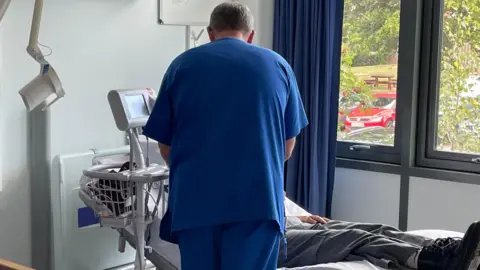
(406, 87)
(426, 154)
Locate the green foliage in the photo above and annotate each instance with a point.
(353, 90)
(458, 127)
(371, 30)
(370, 37)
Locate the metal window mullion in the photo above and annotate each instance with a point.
(434, 76)
(424, 82)
(408, 74)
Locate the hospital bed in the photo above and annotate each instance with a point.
(167, 256)
(132, 114)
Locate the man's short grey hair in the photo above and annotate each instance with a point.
(231, 16)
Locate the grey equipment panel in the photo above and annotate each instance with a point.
(130, 108)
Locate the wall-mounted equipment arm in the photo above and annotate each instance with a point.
(46, 88)
(32, 48)
(3, 7)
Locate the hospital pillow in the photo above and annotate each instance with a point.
(293, 210)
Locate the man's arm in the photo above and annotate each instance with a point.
(165, 152)
(160, 123)
(295, 118)
(289, 146)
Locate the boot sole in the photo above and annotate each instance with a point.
(469, 248)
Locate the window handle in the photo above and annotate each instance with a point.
(476, 160)
(363, 147)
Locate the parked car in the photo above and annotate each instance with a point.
(371, 135)
(381, 113)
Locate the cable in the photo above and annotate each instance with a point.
(45, 46)
(147, 160)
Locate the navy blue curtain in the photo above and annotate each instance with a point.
(308, 34)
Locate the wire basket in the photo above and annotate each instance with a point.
(113, 198)
(112, 193)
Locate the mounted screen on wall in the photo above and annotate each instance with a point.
(186, 12)
(196, 36)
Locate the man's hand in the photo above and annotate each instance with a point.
(165, 153)
(313, 219)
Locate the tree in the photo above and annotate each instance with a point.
(458, 125)
(353, 90)
(371, 30)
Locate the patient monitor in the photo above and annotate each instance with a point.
(130, 108)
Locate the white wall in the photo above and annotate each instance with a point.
(98, 45)
(433, 204)
(363, 196)
(442, 204)
(15, 193)
(264, 23)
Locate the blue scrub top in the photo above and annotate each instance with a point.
(226, 109)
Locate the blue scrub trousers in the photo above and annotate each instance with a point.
(237, 246)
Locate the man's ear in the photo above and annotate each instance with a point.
(250, 37)
(211, 34)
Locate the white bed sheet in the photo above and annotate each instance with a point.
(363, 265)
(171, 252)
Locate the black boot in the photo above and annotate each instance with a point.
(451, 253)
(435, 255)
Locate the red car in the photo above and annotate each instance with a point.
(380, 114)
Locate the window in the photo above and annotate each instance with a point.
(453, 92)
(437, 44)
(368, 82)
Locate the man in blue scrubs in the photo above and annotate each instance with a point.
(226, 120)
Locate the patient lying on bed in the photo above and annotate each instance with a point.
(314, 240)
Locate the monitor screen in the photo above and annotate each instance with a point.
(136, 106)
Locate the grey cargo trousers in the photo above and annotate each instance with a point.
(336, 241)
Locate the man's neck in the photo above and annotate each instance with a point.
(230, 34)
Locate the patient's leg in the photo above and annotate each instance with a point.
(325, 244)
(310, 247)
(381, 229)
